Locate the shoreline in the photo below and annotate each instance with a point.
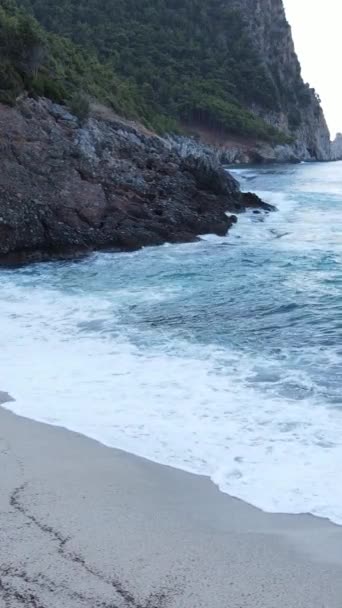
(116, 187)
(83, 523)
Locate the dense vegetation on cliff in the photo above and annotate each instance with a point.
(162, 62)
(166, 62)
(42, 63)
(181, 51)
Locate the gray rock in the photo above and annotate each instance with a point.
(336, 147)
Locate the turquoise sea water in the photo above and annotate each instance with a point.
(222, 357)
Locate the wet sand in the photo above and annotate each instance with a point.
(85, 526)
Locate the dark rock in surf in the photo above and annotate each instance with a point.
(252, 201)
(67, 189)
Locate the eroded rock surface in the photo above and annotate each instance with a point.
(67, 188)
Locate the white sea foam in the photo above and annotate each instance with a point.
(193, 408)
(258, 425)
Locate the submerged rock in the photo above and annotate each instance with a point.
(68, 189)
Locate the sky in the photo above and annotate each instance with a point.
(317, 33)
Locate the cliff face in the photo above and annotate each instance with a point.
(299, 111)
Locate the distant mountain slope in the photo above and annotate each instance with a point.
(227, 64)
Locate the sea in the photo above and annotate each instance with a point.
(221, 357)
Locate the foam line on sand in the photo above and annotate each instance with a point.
(83, 525)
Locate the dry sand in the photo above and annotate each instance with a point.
(85, 526)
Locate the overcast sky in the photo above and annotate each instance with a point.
(317, 32)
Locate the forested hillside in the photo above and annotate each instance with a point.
(188, 60)
(226, 65)
(41, 63)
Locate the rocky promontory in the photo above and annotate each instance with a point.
(336, 147)
(68, 187)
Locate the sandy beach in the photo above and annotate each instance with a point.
(86, 526)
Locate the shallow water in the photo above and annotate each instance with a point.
(222, 357)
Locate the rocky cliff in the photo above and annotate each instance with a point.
(67, 187)
(336, 147)
(297, 111)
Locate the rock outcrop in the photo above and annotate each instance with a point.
(336, 147)
(67, 188)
